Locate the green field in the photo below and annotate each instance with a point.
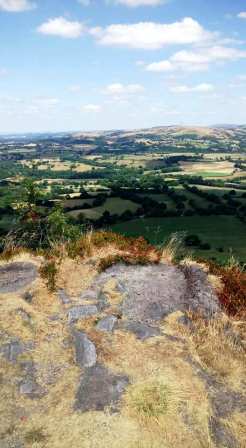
(219, 231)
(112, 205)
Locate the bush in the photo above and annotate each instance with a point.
(49, 273)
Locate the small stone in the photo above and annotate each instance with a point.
(85, 350)
(81, 312)
(31, 388)
(12, 350)
(63, 296)
(107, 324)
(141, 331)
(186, 321)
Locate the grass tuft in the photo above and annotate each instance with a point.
(150, 399)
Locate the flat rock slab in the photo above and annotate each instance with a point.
(107, 324)
(81, 312)
(149, 293)
(85, 350)
(99, 389)
(15, 276)
(14, 348)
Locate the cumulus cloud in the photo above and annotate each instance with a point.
(118, 89)
(62, 27)
(200, 88)
(198, 60)
(16, 5)
(242, 15)
(92, 108)
(151, 35)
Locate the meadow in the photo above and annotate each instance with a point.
(220, 232)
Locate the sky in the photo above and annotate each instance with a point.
(78, 65)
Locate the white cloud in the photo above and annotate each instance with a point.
(200, 88)
(151, 35)
(92, 108)
(75, 88)
(242, 15)
(118, 89)
(135, 3)
(62, 27)
(197, 60)
(16, 5)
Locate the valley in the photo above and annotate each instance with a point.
(150, 182)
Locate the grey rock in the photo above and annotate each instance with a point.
(85, 350)
(29, 386)
(26, 317)
(141, 331)
(102, 301)
(152, 292)
(89, 294)
(15, 276)
(200, 296)
(99, 389)
(11, 442)
(221, 434)
(81, 312)
(186, 321)
(107, 324)
(14, 348)
(63, 296)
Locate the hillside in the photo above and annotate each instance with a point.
(111, 342)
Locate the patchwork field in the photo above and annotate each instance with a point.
(112, 205)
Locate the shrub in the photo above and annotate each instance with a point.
(49, 271)
(233, 295)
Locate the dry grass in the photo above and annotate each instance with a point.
(166, 404)
(173, 248)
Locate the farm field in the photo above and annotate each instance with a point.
(220, 232)
(150, 181)
(111, 205)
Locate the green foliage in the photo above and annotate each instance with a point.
(49, 271)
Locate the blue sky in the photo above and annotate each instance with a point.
(105, 64)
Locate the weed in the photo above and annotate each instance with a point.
(35, 436)
(49, 271)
